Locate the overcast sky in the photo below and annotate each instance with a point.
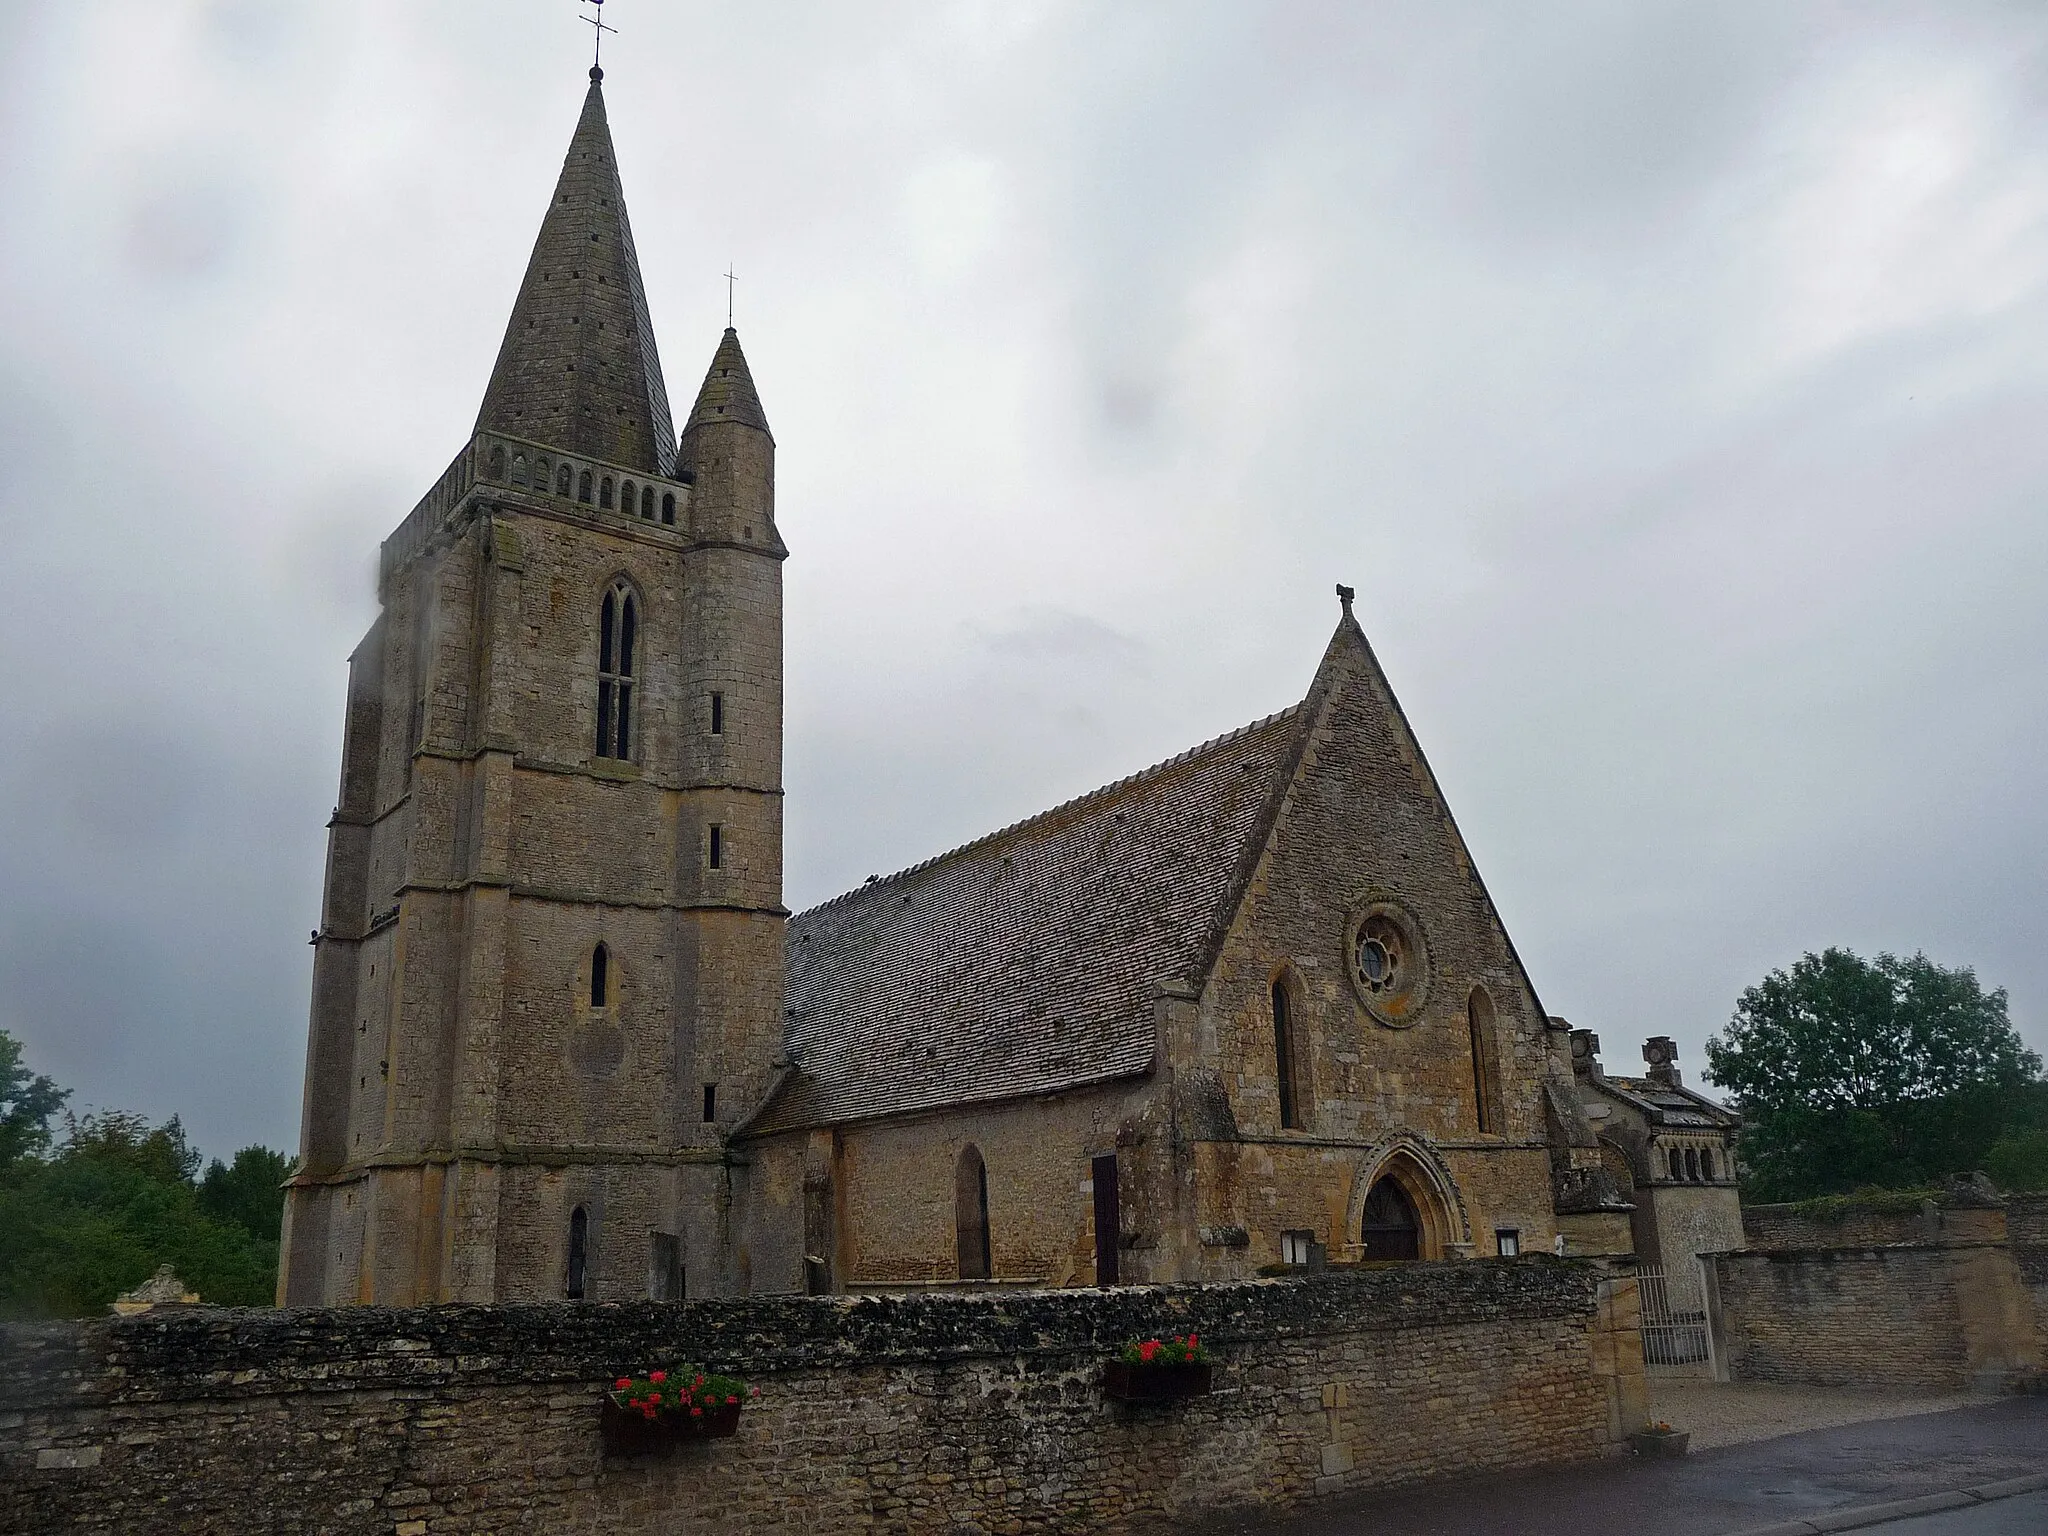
(1670, 380)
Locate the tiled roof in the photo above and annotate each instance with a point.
(1674, 1106)
(1022, 963)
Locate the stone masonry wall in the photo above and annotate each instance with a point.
(1840, 1223)
(1900, 1317)
(910, 1414)
(2026, 1223)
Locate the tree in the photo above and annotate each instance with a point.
(118, 1197)
(28, 1104)
(1851, 1072)
(248, 1192)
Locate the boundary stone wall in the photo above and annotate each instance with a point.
(1902, 1317)
(2026, 1220)
(940, 1413)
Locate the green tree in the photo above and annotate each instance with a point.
(249, 1191)
(1852, 1072)
(28, 1104)
(95, 1216)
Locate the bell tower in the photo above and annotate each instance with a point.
(548, 977)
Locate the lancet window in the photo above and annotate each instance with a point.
(617, 635)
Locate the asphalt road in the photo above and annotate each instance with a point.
(1729, 1489)
(2026, 1515)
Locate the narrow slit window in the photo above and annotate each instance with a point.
(1283, 1055)
(717, 847)
(600, 976)
(579, 1252)
(718, 714)
(617, 637)
(1479, 1021)
(1677, 1166)
(970, 1215)
(710, 1102)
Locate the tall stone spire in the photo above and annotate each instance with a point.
(578, 369)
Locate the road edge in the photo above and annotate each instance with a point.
(1862, 1515)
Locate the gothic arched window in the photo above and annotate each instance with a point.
(970, 1214)
(647, 502)
(579, 1251)
(1707, 1165)
(519, 469)
(668, 507)
(1677, 1166)
(626, 497)
(600, 976)
(562, 481)
(1283, 1054)
(497, 470)
(604, 492)
(583, 486)
(617, 627)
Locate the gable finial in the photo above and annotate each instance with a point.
(731, 277)
(1345, 595)
(596, 19)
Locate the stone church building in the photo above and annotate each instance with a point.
(1249, 1007)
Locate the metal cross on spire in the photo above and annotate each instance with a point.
(730, 278)
(596, 19)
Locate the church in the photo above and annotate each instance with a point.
(1246, 1009)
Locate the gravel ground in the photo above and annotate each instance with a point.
(1736, 1413)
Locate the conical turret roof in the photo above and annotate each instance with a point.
(578, 369)
(728, 393)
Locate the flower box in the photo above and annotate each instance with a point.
(1661, 1442)
(1160, 1381)
(629, 1432)
(651, 1415)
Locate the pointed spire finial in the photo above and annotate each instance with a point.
(730, 278)
(596, 19)
(1345, 595)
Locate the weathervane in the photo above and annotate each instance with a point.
(730, 279)
(596, 19)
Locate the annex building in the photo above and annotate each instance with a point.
(1247, 1007)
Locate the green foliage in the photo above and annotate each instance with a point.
(2019, 1160)
(248, 1192)
(27, 1105)
(118, 1198)
(1853, 1073)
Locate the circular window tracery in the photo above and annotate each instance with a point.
(1388, 961)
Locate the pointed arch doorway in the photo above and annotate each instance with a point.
(1404, 1205)
(1391, 1228)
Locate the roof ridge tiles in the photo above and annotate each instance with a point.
(1198, 750)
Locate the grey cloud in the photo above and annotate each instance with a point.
(1665, 377)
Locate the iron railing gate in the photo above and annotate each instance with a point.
(1674, 1320)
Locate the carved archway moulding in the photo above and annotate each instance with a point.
(1410, 1157)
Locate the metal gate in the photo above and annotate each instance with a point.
(1674, 1320)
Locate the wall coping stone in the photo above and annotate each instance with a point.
(224, 1352)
